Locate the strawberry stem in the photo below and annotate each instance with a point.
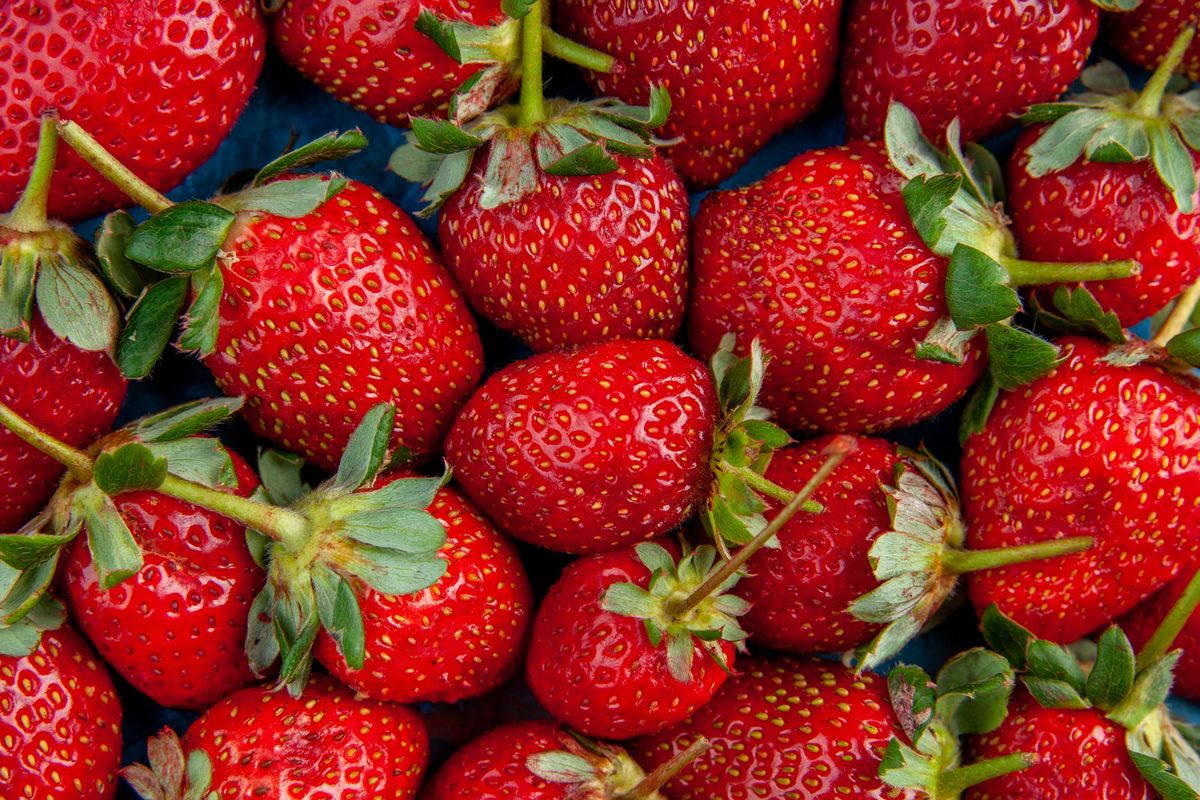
(1149, 104)
(953, 783)
(768, 487)
(835, 454)
(77, 462)
(281, 524)
(114, 171)
(1180, 316)
(533, 99)
(657, 779)
(1167, 631)
(1037, 273)
(29, 214)
(960, 562)
(564, 49)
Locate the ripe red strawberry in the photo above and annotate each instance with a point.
(461, 637)
(737, 74)
(980, 61)
(372, 55)
(265, 743)
(1141, 623)
(590, 449)
(60, 722)
(177, 72)
(1095, 448)
(1145, 34)
(176, 630)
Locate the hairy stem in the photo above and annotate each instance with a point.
(951, 784)
(29, 214)
(107, 165)
(960, 562)
(281, 524)
(1167, 631)
(533, 100)
(657, 779)
(77, 462)
(562, 48)
(1036, 273)
(769, 488)
(1180, 316)
(1149, 104)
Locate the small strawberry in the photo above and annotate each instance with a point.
(1113, 175)
(868, 277)
(160, 82)
(1144, 35)
(543, 761)
(737, 74)
(57, 330)
(376, 56)
(313, 297)
(60, 722)
(981, 61)
(559, 219)
(1141, 623)
(461, 637)
(265, 743)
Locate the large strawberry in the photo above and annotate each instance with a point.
(560, 220)
(1113, 175)
(57, 330)
(869, 276)
(375, 56)
(737, 73)
(461, 637)
(980, 61)
(313, 297)
(1144, 36)
(60, 722)
(265, 743)
(159, 82)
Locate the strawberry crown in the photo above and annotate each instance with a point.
(596, 771)
(1113, 124)
(44, 264)
(1130, 689)
(171, 776)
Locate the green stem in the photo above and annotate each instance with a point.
(1167, 631)
(282, 524)
(107, 165)
(29, 214)
(769, 488)
(657, 779)
(960, 562)
(1037, 273)
(77, 462)
(1149, 104)
(835, 453)
(533, 100)
(1180, 316)
(952, 783)
(562, 48)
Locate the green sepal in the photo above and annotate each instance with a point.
(198, 459)
(927, 200)
(170, 776)
(75, 304)
(340, 614)
(1150, 690)
(187, 419)
(333, 145)
(978, 407)
(408, 530)
(201, 324)
(393, 572)
(517, 9)
(18, 271)
(1186, 346)
(115, 553)
(1076, 310)
(285, 198)
(1113, 672)
(366, 449)
(21, 638)
(296, 626)
(443, 137)
(149, 326)
(128, 468)
(24, 591)
(945, 343)
(914, 699)
(1050, 661)
(24, 551)
(280, 475)
(559, 766)
(473, 44)
(183, 238)
(1117, 5)
(1006, 637)
(973, 689)
(262, 647)
(977, 290)
(588, 159)
(1017, 357)
(1165, 757)
(112, 237)
(1158, 774)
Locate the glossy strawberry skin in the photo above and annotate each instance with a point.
(580, 259)
(177, 72)
(1141, 623)
(459, 638)
(820, 261)
(327, 315)
(588, 450)
(1091, 449)
(1107, 212)
(72, 394)
(799, 592)
(738, 73)
(1143, 36)
(981, 61)
(177, 629)
(784, 728)
(327, 744)
(60, 722)
(1077, 753)
(597, 670)
(370, 54)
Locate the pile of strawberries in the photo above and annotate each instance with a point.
(707, 422)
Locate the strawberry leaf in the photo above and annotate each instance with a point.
(1078, 311)
(366, 449)
(280, 475)
(1150, 690)
(1051, 693)
(185, 420)
(517, 9)
(130, 467)
(1006, 637)
(558, 766)
(1186, 346)
(1049, 661)
(18, 270)
(203, 317)
(21, 637)
(24, 551)
(340, 614)
(199, 459)
(262, 646)
(123, 275)
(405, 529)
(1174, 164)
(979, 407)
(391, 571)
(26, 590)
(977, 290)
(973, 690)
(114, 551)
(1016, 357)
(443, 136)
(76, 306)
(1158, 774)
(332, 145)
(1117, 5)
(149, 325)
(1113, 672)
(183, 238)
(291, 199)
(945, 343)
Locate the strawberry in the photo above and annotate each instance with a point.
(57, 329)
(1113, 175)
(542, 761)
(313, 298)
(375, 55)
(1140, 624)
(737, 74)
(264, 743)
(177, 72)
(60, 722)
(980, 61)
(1102, 446)
(461, 637)
(560, 220)
(1144, 35)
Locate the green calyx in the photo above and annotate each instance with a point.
(1114, 124)
(44, 263)
(970, 696)
(597, 771)
(171, 776)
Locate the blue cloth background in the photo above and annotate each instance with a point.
(286, 106)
